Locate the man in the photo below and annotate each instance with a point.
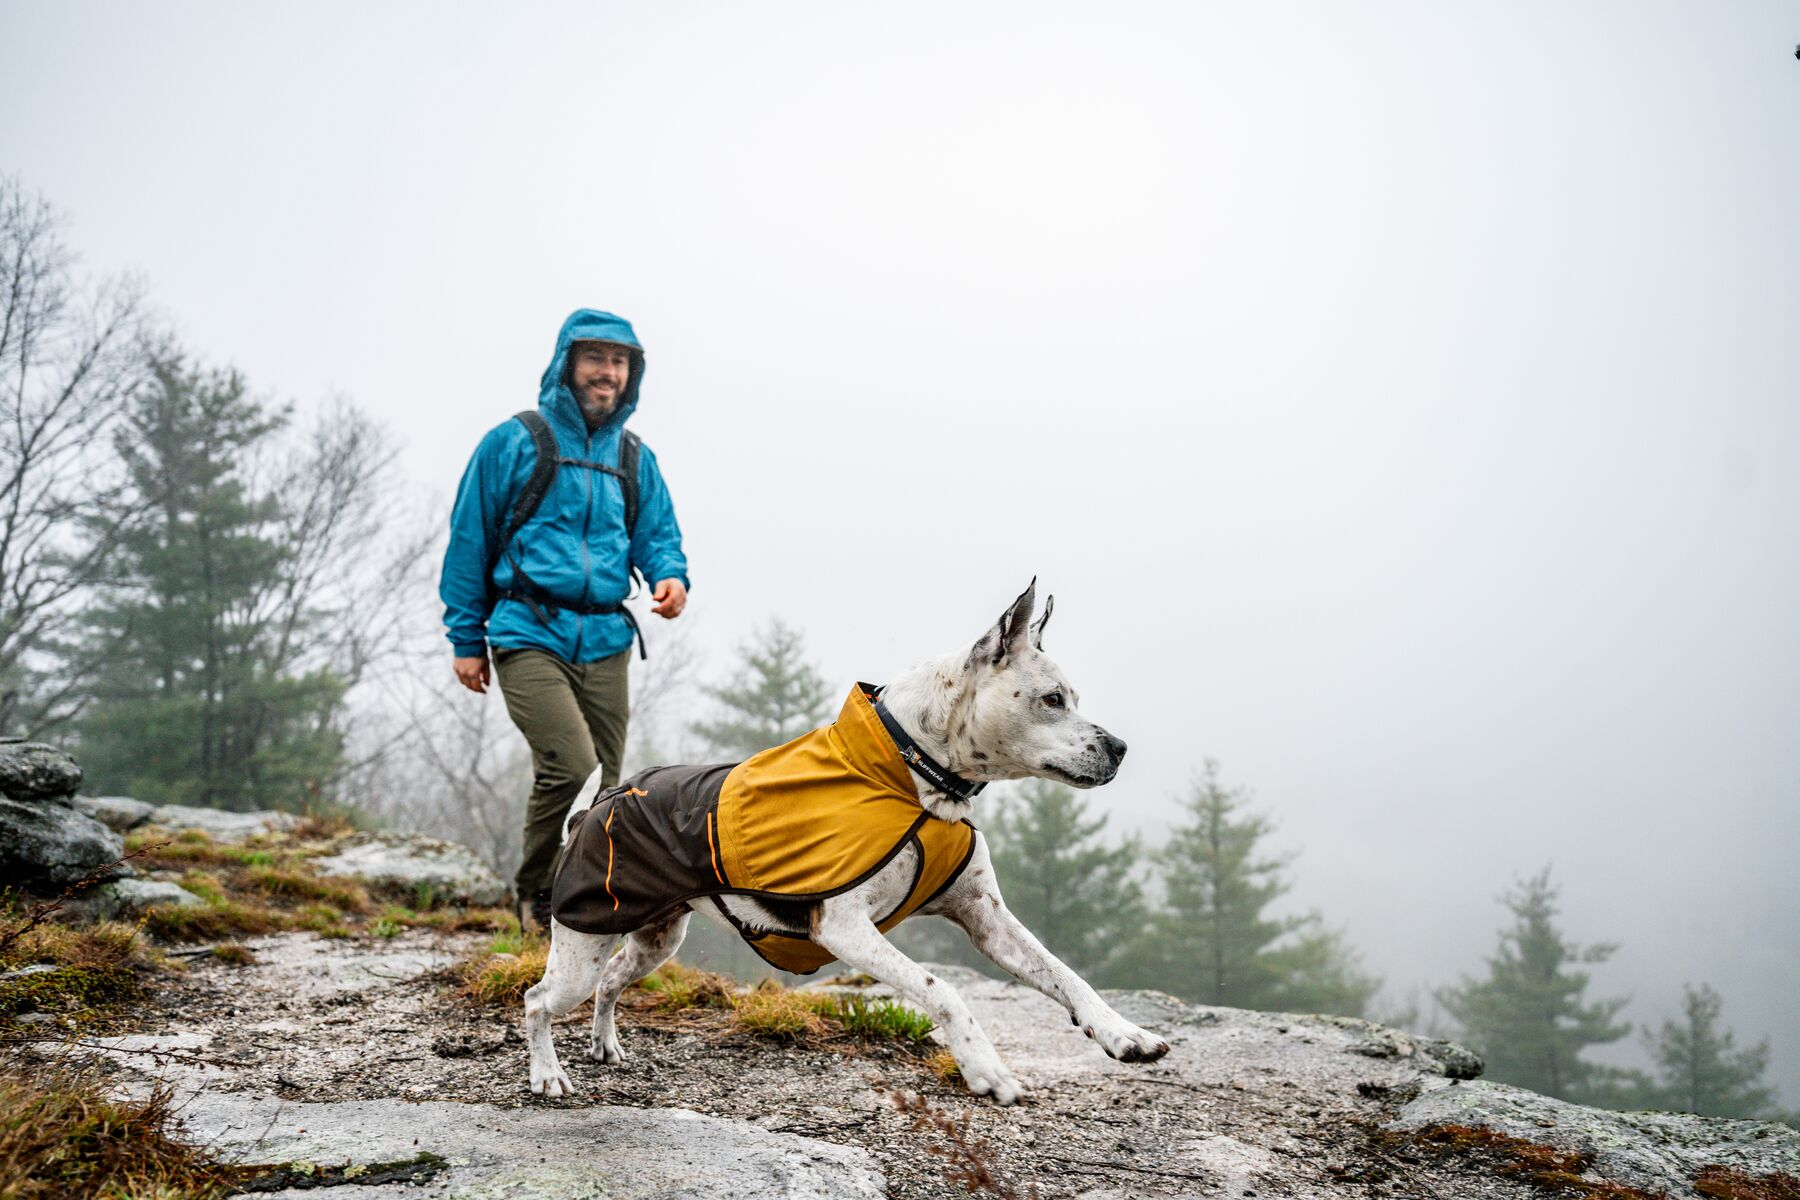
(547, 595)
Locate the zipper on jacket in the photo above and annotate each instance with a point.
(587, 558)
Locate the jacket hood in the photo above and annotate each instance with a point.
(589, 325)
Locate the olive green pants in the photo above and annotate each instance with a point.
(573, 716)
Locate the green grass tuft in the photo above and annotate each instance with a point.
(880, 1019)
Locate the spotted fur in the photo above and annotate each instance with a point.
(999, 710)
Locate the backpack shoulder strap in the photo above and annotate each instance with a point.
(543, 473)
(629, 446)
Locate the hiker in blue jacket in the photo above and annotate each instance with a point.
(556, 511)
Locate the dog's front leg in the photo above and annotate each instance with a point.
(848, 933)
(975, 904)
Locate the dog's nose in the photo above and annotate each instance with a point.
(1114, 746)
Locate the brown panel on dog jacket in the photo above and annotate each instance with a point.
(800, 822)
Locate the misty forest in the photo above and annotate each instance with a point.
(215, 598)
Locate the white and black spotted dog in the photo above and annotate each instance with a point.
(1001, 710)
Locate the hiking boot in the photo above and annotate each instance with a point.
(540, 911)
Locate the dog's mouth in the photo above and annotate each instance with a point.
(1073, 780)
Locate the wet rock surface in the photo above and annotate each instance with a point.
(126, 897)
(341, 1052)
(47, 844)
(485, 1150)
(415, 863)
(1244, 1101)
(1655, 1152)
(220, 825)
(115, 812)
(31, 771)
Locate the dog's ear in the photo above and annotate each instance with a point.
(1037, 626)
(1009, 632)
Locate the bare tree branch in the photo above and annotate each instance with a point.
(71, 355)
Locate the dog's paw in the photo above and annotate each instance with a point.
(993, 1080)
(607, 1050)
(1126, 1042)
(551, 1083)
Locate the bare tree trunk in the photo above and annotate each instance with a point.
(70, 357)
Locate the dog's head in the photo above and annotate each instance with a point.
(1018, 714)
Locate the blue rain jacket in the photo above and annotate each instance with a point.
(574, 546)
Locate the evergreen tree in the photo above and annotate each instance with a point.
(1213, 942)
(774, 697)
(1699, 1068)
(1059, 878)
(1528, 1017)
(194, 704)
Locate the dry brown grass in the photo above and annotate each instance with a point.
(62, 1137)
(968, 1160)
(93, 971)
(320, 827)
(503, 978)
(942, 1063)
(268, 885)
(290, 883)
(677, 986)
(780, 1013)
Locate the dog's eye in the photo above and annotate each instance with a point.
(1054, 699)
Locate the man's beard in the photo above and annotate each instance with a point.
(597, 406)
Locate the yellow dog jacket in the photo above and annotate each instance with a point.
(799, 822)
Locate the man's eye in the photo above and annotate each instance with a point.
(1054, 699)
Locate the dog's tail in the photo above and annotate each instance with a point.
(584, 800)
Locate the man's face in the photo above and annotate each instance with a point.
(598, 373)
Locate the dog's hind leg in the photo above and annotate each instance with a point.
(645, 950)
(570, 974)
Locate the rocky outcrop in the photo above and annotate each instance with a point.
(1658, 1153)
(416, 865)
(32, 771)
(50, 845)
(220, 825)
(45, 842)
(352, 1061)
(115, 812)
(604, 1151)
(128, 897)
(125, 814)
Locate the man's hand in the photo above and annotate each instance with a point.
(670, 597)
(472, 673)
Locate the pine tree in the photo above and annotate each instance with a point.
(1212, 940)
(1528, 1017)
(1061, 879)
(1699, 1068)
(774, 697)
(193, 705)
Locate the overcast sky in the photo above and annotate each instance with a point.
(1400, 400)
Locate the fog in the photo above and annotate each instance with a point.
(1401, 405)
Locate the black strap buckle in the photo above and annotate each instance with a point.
(940, 777)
